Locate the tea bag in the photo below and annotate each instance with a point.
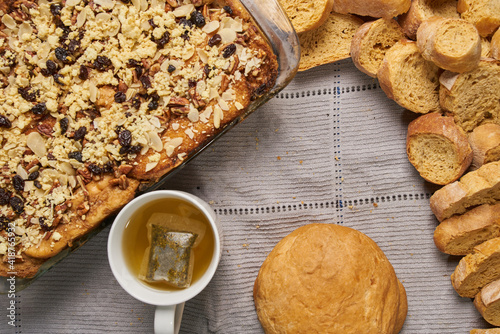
(169, 257)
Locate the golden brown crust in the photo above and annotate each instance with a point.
(371, 41)
(487, 302)
(447, 166)
(459, 234)
(485, 144)
(97, 116)
(326, 278)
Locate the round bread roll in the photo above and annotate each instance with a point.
(327, 278)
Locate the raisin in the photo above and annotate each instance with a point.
(163, 39)
(206, 70)
(134, 149)
(136, 103)
(120, 97)
(171, 68)
(39, 109)
(43, 224)
(73, 45)
(197, 18)
(185, 22)
(33, 176)
(45, 72)
(77, 155)
(214, 40)
(228, 10)
(17, 204)
(4, 122)
(185, 35)
(57, 78)
(62, 55)
(102, 63)
(37, 184)
(4, 196)
(153, 105)
(95, 169)
(4, 222)
(152, 23)
(133, 62)
(229, 51)
(84, 73)
(80, 133)
(108, 167)
(191, 83)
(18, 183)
(55, 9)
(124, 150)
(125, 138)
(27, 94)
(51, 67)
(138, 71)
(155, 97)
(146, 82)
(63, 123)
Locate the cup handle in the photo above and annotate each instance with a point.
(168, 319)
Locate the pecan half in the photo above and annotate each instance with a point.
(196, 98)
(176, 101)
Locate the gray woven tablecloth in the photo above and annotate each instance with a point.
(329, 148)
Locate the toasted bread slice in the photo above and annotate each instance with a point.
(459, 234)
(452, 44)
(410, 80)
(477, 269)
(438, 148)
(487, 302)
(422, 10)
(485, 144)
(495, 45)
(307, 15)
(472, 98)
(328, 43)
(371, 41)
(373, 8)
(478, 187)
(485, 14)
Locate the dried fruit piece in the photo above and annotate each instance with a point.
(84, 73)
(18, 183)
(197, 19)
(120, 97)
(77, 155)
(39, 109)
(229, 51)
(17, 204)
(102, 63)
(4, 122)
(4, 196)
(125, 138)
(80, 133)
(214, 40)
(63, 123)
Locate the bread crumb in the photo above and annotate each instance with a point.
(257, 226)
(337, 158)
(351, 207)
(279, 158)
(375, 205)
(245, 246)
(300, 162)
(211, 202)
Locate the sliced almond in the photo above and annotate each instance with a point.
(36, 143)
(183, 11)
(150, 166)
(9, 21)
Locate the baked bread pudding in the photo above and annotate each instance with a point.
(100, 96)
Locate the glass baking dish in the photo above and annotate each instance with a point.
(275, 25)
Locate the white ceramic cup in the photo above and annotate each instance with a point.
(169, 304)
